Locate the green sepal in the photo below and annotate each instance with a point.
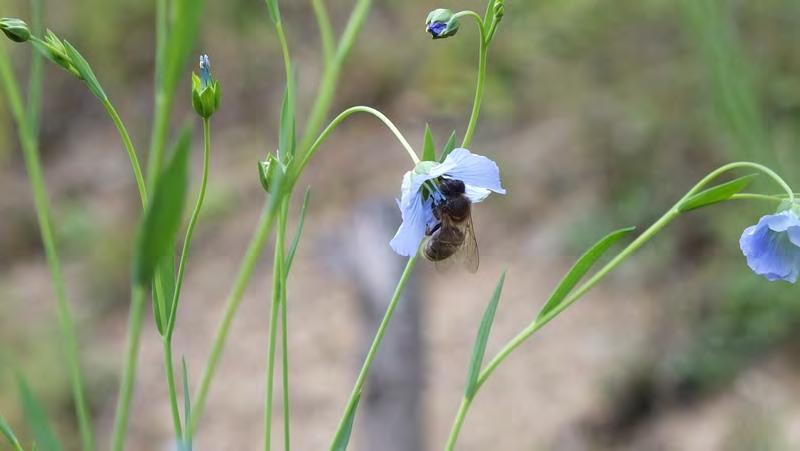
(269, 169)
(448, 146)
(428, 146)
(52, 48)
(205, 100)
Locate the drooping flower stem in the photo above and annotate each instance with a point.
(325, 30)
(277, 288)
(373, 349)
(335, 123)
(129, 374)
(656, 227)
(66, 323)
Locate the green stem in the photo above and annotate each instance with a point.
(246, 268)
(171, 390)
(66, 323)
(459, 421)
(662, 222)
(330, 76)
(481, 82)
(273, 322)
(187, 241)
(35, 76)
(373, 349)
(129, 375)
(325, 30)
(335, 123)
(284, 331)
(162, 99)
(126, 140)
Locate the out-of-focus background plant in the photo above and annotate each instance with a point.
(600, 115)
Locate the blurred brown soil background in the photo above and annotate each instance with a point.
(600, 116)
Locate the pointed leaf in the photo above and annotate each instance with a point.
(448, 146)
(342, 439)
(180, 41)
(716, 194)
(6, 431)
(479, 349)
(163, 290)
(36, 418)
(580, 268)
(428, 146)
(286, 137)
(164, 215)
(274, 11)
(85, 71)
(299, 232)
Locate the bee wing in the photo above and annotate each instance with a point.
(468, 254)
(446, 265)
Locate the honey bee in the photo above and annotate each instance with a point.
(452, 240)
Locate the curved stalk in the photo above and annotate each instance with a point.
(656, 227)
(481, 81)
(126, 140)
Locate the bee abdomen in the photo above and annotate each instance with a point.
(443, 243)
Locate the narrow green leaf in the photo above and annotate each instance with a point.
(479, 349)
(299, 232)
(343, 438)
(6, 431)
(36, 418)
(181, 40)
(187, 407)
(580, 268)
(166, 279)
(163, 217)
(716, 194)
(85, 71)
(286, 136)
(428, 146)
(448, 146)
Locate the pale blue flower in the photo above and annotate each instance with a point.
(480, 175)
(772, 246)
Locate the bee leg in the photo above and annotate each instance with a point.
(430, 232)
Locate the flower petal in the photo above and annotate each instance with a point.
(779, 222)
(416, 217)
(772, 254)
(475, 170)
(475, 194)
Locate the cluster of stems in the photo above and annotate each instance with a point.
(293, 162)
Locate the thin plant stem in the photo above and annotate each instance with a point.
(335, 123)
(330, 76)
(41, 204)
(656, 227)
(35, 76)
(254, 249)
(171, 390)
(187, 241)
(129, 374)
(273, 322)
(284, 333)
(126, 140)
(373, 349)
(162, 98)
(481, 82)
(325, 30)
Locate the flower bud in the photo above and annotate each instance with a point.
(15, 29)
(54, 49)
(441, 23)
(205, 90)
(267, 171)
(499, 10)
